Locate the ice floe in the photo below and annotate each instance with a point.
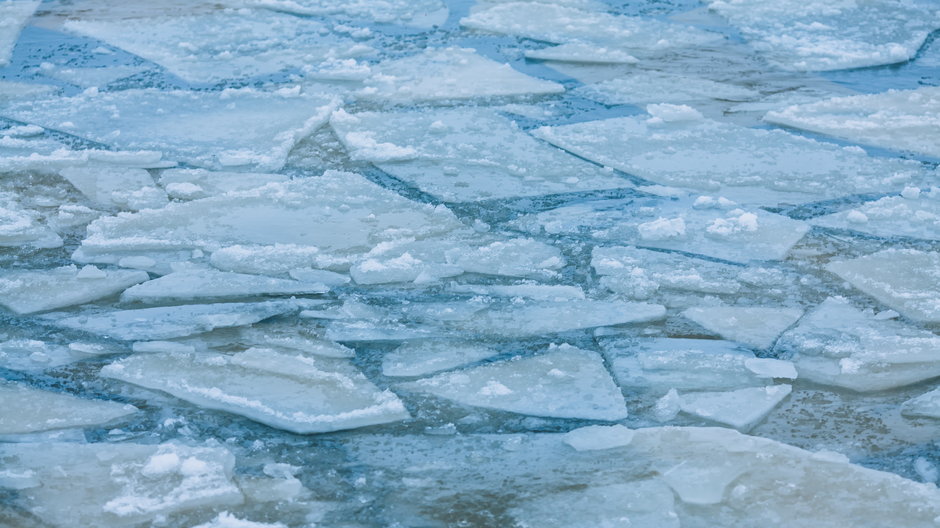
(122, 187)
(29, 291)
(914, 214)
(420, 358)
(755, 326)
(20, 226)
(741, 408)
(418, 13)
(926, 405)
(582, 52)
(199, 284)
(13, 16)
(191, 184)
(29, 410)
(640, 87)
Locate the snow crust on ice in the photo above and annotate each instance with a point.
(642, 86)
(30, 291)
(416, 13)
(191, 184)
(913, 214)
(926, 405)
(741, 409)
(13, 16)
(756, 326)
(29, 410)
(419, 358)
(200, 284)
(20, 226)
(289, 391)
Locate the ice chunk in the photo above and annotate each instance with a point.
(427, 357)
(231, 128)
(641, 87)
(171, 321)
(294, 392)
(447, 74)
(565, 382)
(199, 284)
(13, 16)
(94, 77)
(581, 52)
(116, 485)
(741, 409)
(465, 155)
(896, 119)
(529, 318)
(21, 227)
(189, 184)
(749, 165)
(29, 410)
(417, 13)
(213, 47)
(837, 344)
(33, 355)
(227, 520)
(926, 405)
(821, 35)
(327, 278)
(16, 90)
(917, 216)
(540, 292)
(598, 437)
(29, 291)
(756, 326)
(907, 280)
(123, 187)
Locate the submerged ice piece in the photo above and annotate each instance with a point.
(233, 128)
(199, 284)
(640, 87)
(289, 391)
(814, 35)
(565, 382)
(416, 13)
(462, 155)
(213, 47)
(29, 291)
(29, 410)
(13, 16)
(755, 326)
(676, 146)
(913, 214)
(907, 280)
(839, 345)
(741, 408)
(896, 119)
(116, 485)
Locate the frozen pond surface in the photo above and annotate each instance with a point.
(368, 263)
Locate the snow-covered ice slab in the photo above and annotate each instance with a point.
(415, 13)
(907, 280)
(110, 186)
(565, 382)
(582, 52)
(117, 485)
(896, 119)
(233, 128)
(676, 146)
(13, 16)
(913, 214)
(148, 324)
(29, 291)
(21, 227)
(29, 410)
(660, 364)
(420, 358)
(466, 155)
(289, 391)
(192, 184)
(755, 326)
(209, 48)
(641, 87)
(926, 405)
(736, 235)
(814, 35)
(201, 284)
(741, 409)
(840, 345)
(443, 74)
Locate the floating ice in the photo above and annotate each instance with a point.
(540, 292)
(427, 357)
(288, 391)
(123, 187)
(643, 503)
(926, 405)
(243, 127)
(190, 184)
(821, 35)
(837, 344)
(13, 16)
(896, 119)
(94, 77)
(21, 227)
(907, 280)
(741, 409)
(756, 326)
(29, 410)
(16, 90)
(464, 155)
(565, 382)
(227, 520)
(33, 355)
(29, 291)
(750, 165)
(200, 284)
(582, 52)
(598, 437)
(418, 13)
(640, 87)
(915, 215)
(530, 318)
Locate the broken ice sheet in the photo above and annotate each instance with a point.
(117, 485)
(29, 410)
(926, 405)
(565, 382)
(94, 77)
(233, 128)
(418, 358)
(907, 280)
(464, 155)
(10, 91)
(896, 119)
(31, 355)
(115, 186)
(200, 284)
(914, 214)
(676, 146)
(22, 227)
(192, 184)
(814, 35)
(13, 16)
(582, 52)
(642, 86)
(29, 291)
(228, 44)
(533, 317)
(416, 13)
(289, 391)
(756, 326)
(839, 345)
(741, 408)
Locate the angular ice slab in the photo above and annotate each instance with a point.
(741, 409)
(147, 324)
(640, 87)
(926, 405)
(907, 280)
(896, 119)
(565, 382)
(13, 16)
(427, 357)
(191, 184)
(642, 503)
(200, 284)
(233, 128)
(913, 214)
(660, 364)
(123, 187)
(582, 52)
(736, 235)
(814, 35)
(676, 146)
(117, 485)
(29, 291)
(209, 48)
(840, 345)
(448, 74)
(530, 318)
(21, 227)
(29, 410)
(416, 13)
(466, 155)
(289, 391)
(754, 326)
